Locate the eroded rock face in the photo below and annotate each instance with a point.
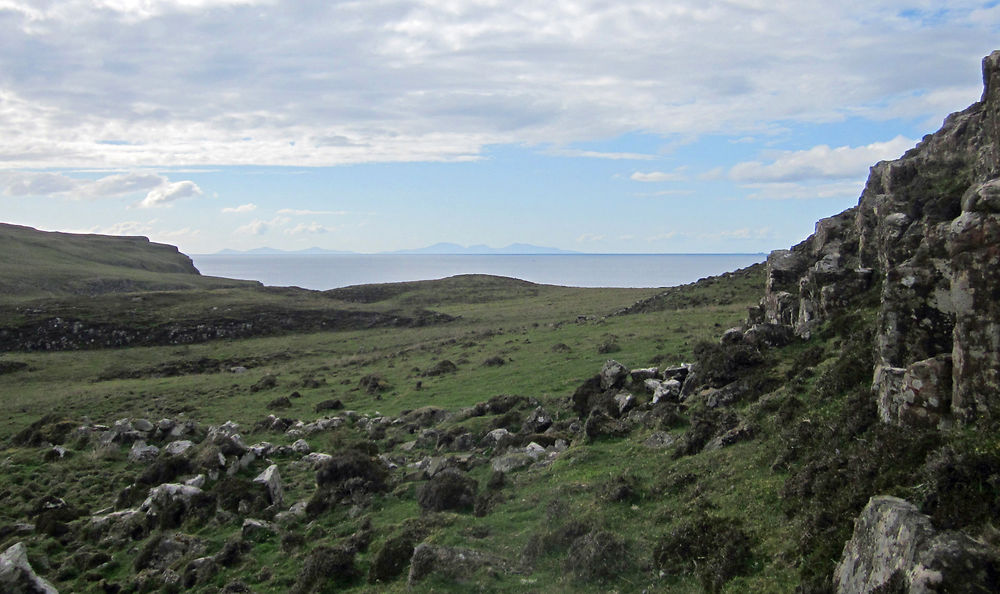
(927, 232)
(895, 548)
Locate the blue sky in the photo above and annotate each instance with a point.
(630, 126)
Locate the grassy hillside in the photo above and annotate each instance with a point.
(38, 264)
(750, 484)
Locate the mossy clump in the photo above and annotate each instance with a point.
(714, 549)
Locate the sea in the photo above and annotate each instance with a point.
(331, 271)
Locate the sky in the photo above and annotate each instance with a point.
(624, 126)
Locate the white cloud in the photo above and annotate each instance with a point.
(743, 233)
(590, 238)
(798, 191)
(249, 207)
(820, 162)
(311, 228)
(167, 193)
(233, 82)
(601, 155)
(124, 228)
(255, 227)
(39, 184)
(665, 193)
(301, 212)
(261, 227)
(657, 176)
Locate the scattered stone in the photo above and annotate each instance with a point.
(613, 375)
(315, 459)
(537, 422)
(494, 362)
(659, 440)
(257, 530)
(178, 448)
(495, 438)
(271, 479)
(141, 452)
(647, 373)
(667, 391)
(301, 446)
(625, 402)
(510, 462)
(142, 425)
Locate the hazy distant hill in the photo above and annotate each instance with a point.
(513, 249)
(438, 248)
(42, 263)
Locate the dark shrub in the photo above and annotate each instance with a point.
(326, 568)
(164, 470)
(597, 555)
(392, 558)
(715, 549)
(331, 404)
(705, 424)
(963, 487)
(279, 402)
(234, 493)
(449, 489)
(441, 368)
(494, 362)
(372, 384)
(721, 364)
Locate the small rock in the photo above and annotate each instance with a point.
(141, 452)
(271, 479)
(613, 375)
(177, 448)
(301, 446)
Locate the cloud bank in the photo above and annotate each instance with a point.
(127, 84)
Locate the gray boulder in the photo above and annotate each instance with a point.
(613, 375)
(895, 546)
(17, 576)
(271, 479)
(452, 563)
(141, 452)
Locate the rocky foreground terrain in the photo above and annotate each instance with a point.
(845, 438)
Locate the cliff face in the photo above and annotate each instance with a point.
(926, 234)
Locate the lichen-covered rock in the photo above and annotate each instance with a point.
(452, 563)
(271, 479)
(613, 375)
(16, 574)
(895, 546)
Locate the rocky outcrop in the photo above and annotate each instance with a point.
(896, 549)
(926, 236)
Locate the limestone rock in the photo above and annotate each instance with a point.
(895, 545)
(178, 448)
(613, 375)
(16, 574)
(271, 479)
(452, 563)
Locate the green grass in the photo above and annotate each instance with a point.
(521, 323)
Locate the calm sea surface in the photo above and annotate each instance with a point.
(324, 271)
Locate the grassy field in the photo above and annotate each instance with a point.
(612, 512)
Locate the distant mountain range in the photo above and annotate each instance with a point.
(437, 249)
